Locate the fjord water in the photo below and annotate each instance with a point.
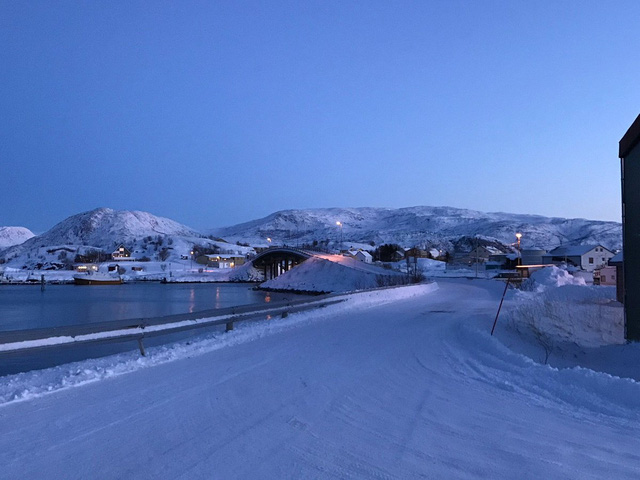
(27, 307)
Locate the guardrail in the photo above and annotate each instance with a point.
(34, 340)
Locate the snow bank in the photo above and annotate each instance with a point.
(553, 276)
(334, 273)
(562, 310)
(583, 391)
(28, 385)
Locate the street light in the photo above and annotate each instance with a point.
(519, 236)
(191, 257)
(340, 225)
(269, 240)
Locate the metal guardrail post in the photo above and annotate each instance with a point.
(141, 346)
(229, 327)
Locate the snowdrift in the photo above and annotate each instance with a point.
(322, 275)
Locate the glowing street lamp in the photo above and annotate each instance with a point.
(519, 236)
(340, 225)
(191, 257)
(269, 240)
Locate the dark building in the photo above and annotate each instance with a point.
(630, 171)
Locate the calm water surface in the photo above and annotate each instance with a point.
(24, 307)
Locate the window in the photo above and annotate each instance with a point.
(591, 260)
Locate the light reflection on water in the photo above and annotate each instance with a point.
(23, 307)
(192, 300)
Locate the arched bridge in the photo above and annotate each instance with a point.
(276, 260)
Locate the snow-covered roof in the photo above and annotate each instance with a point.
(617, 258)
(364, 254)
(573, 251)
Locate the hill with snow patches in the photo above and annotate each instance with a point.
(147, 235)
(104, 229)
(10, 236)
(440, 227)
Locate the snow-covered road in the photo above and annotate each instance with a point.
(411, 389)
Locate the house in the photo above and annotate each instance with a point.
(531, 256)
(86, 267)
(480, 254)
(364, 256)
(416, 252)
(221, 260)
(502, 261)
(616, 261)
(122, 253)
(397, 255)
(605, 275)
(586, 257)
(629, 154)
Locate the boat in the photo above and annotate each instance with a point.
(96, 278)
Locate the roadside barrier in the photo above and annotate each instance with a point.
(35, 340)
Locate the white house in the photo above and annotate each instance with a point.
(221, 260)
(364, 256)
(586, 257)
(122, 254)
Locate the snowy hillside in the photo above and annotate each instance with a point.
(10, 236)
(422, 226)
(144, 234)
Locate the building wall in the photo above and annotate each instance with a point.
(631, 241)
(605, 276)
(599, 259)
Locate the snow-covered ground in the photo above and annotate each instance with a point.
(398, 383)
(334, 273)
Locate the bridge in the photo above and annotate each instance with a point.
(277, 260)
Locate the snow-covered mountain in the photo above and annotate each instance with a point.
(104, 229)
(10, 236)
(440, 227)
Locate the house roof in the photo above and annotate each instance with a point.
(365, 254)
(617, 258)
(630, 139)
(572, 251)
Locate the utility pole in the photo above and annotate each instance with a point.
(477, 256)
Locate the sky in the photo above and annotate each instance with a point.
(216, 113)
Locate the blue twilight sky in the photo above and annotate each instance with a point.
(214, 113)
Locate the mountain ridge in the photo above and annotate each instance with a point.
(103, 229)
(421, 226)
(10, 236)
